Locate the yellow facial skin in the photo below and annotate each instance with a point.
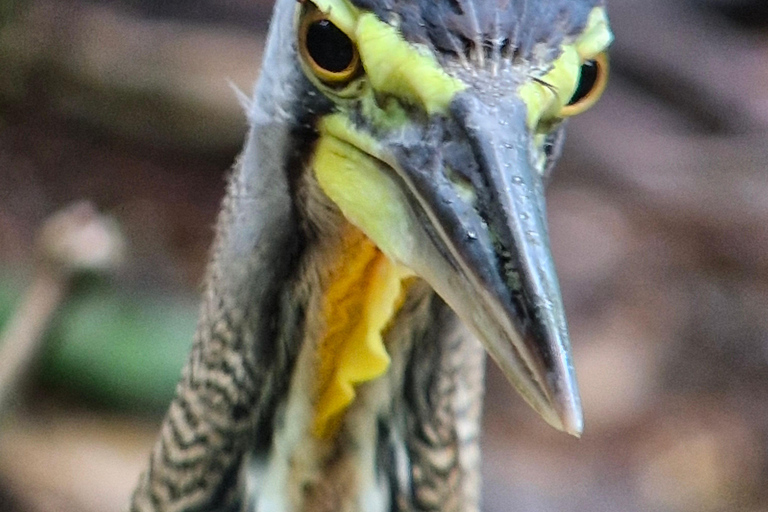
(369, 198)
(403, 70)
(367, 286)
(348, 164)
(549, 94)
(392, 65)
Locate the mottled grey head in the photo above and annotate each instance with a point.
(432, 126)
(485, 30)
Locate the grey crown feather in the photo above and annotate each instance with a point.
(481, 31)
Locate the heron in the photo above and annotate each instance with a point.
(384, 229)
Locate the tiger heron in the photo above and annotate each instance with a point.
(393, 177)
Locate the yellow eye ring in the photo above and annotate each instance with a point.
(592, 81)
(328, 52)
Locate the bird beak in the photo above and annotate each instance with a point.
(459, 200)
(481, 200)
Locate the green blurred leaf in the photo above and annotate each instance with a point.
(121, 351)
(10, 294)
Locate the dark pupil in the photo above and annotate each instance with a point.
(329, 47)
(587, 81)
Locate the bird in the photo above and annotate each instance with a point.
(384, 228)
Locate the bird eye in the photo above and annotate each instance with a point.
(329, 52)
(592, 81)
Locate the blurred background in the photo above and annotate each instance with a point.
(659, 225)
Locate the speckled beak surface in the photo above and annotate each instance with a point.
(480, 199)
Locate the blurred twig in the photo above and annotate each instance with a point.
(74, 239)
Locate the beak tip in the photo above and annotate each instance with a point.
(570, 416)
(563, 412)
(574, 425)
(568, 421)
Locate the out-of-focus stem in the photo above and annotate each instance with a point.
(22, 339)
(75, 239)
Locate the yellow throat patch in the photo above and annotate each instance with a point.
(365, 287)
(364, 293)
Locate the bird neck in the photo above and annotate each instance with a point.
(340, 384)
(352, 292)
(360, 292)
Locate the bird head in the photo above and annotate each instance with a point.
(435, 124)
